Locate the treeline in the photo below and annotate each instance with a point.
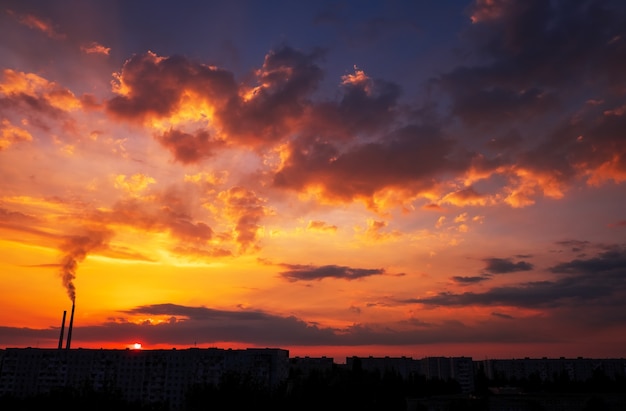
(338, 388)
(556, 383)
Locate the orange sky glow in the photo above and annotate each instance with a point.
(334, 182)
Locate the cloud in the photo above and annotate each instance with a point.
(486, 10)
(133, 185)
(516, 81)
(134, 212)
(247, 210)
(611, 261)
(29, 92)
(504, 316)
(189, 148)
(17, 218)
(95, 48)
(409, 160)
(506, 265)
(574, 245)
(469, 280)
(314, 138)
(153, 87)
(316, 225)
(272, 109)
(38, 23)
(466, 197)
(296, 272)
(187, 325)
(599, 281)
(11, 134)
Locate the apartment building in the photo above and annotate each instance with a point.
(146, 376)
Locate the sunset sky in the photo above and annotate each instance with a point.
(334, 178)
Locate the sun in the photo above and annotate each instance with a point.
(137, 346)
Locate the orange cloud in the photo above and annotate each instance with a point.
(211, 179)
(408, 161)
(95, 48)
(316, 225)
(150, 87)
(527, 184)
(36, 23)
(376, 230)
(134, 184)
(246, 209)
(486, 10)
(17, 86)
(612, 169)
(358, 79)
(465, 197)
(10, 134)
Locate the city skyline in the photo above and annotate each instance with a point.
(334, 179)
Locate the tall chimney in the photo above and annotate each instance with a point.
(62, 329)
(69, 329)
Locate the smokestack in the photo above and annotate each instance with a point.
(62, 329)
(69, 329)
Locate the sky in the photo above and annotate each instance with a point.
(334, 178)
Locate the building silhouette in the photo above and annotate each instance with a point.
(167, 376)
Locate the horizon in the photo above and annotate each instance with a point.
(335, 360)
(370, 177)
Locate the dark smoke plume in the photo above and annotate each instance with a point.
(76, 249)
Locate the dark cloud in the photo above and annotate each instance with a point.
(149, 85)
(599, 281)
(533, 294)
(201, 325)
(528, 44)
(189, 148)
(366, 107)
(530, 58)
(469, 280)
(506, 265)
(592, 147)
(574, 245)
(510, 140)
(501, 315)
(311, 273)
(279, 109)
(205, 325)
(276, 105)
(612, 261)
(408, 159)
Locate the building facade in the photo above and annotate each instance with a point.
(146, 376)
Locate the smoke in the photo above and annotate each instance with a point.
(76, 249)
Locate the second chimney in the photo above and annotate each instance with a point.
(69, 329)
(62, 330)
